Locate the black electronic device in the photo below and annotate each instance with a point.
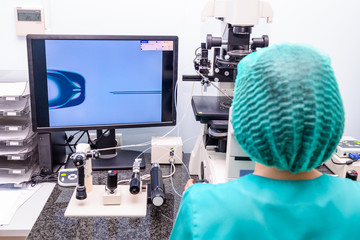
(102, 82)
(156, 188)
(51, 148)
(68, 177)
(352, 174)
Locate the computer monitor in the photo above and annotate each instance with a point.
(98, 82)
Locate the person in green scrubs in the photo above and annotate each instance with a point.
(288, 116)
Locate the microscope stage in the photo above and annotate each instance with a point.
(208, 108)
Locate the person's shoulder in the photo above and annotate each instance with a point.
(200, 190)
(339, 180)
(343, 183)
(204, 190)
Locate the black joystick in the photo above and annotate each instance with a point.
(79, 162)
(112, 181)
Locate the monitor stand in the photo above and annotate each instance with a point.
(115, 159)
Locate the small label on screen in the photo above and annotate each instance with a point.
(156, 45)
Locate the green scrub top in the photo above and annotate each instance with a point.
(255, 207)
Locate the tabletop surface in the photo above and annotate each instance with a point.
(157, 224)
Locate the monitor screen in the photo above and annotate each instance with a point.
(88, 82)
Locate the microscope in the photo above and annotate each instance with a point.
(216, 156)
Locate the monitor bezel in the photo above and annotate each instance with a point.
(33, 90)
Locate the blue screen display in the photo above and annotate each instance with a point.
(102, 82)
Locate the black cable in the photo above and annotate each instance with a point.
(69, 139)
(71, 149)
(348, 162)
(36, 179)
(102, 135)
(89, 139)
(94, 145)
(196, 55)
(39, 177)
(79, 138)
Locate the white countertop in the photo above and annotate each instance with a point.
(25, 217)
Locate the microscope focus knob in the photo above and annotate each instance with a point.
(260, 42)
(213, 41)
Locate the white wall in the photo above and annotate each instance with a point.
(331, 25)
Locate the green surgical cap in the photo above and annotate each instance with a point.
(287, 110)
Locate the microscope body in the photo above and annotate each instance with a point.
(238, 17)
(213, 155)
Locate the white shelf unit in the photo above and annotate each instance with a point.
(18, 143)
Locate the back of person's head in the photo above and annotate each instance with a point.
(287, 111)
